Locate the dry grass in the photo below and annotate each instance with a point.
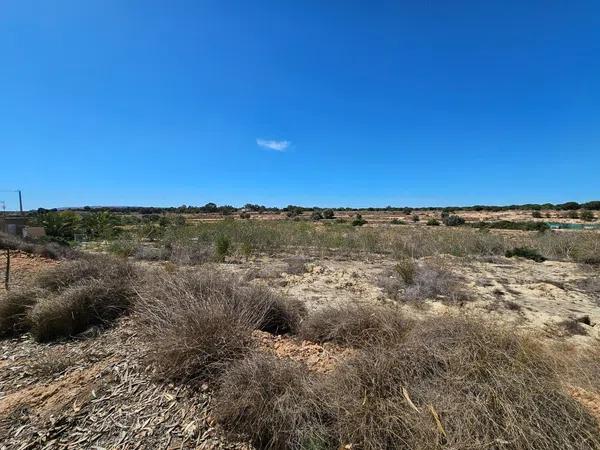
(272, 402)
(198, 323)
(433, 279)
(354, 325)
(92, 267)
(50, 250)
(69, 298)
(78, 307)
(448, 383)
(14, 310)
(412, 280)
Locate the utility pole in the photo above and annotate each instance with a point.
(20, 201)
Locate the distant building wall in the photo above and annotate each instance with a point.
(34, 232)
(12, 225)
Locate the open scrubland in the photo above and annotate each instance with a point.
(287, 334)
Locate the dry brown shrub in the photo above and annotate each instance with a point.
(91, 267)
(454, 383)
(14, 310)
(449, 383)
(354, 325)
(198, 323)
(272, 402)
(81, 305)
(433, 279)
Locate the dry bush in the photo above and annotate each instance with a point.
(578, 246)
(454, 383)
(433, 279)
(354, 325)
(84, 304)
(50, 250)
(591, 286)
(272, 402)
(197, 323)
(448, 383)
(14, 310)
(296, 265)
(191, 253)
(572, 327)
(91, 267)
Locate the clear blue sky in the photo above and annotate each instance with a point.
(368, 103)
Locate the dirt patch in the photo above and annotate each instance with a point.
(318, 358)
(590, 400)
(49, 399)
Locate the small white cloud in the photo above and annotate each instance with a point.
(278, 146)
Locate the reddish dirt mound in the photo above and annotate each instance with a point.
(318, 358)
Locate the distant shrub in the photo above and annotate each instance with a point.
(245, 215)
(572, 214)
(433, 280)
(587, 215)
(453, 221)
(95, 267)
(415, 218)
(525, 252)
(397, 222)
(510, 225)
(536, 214)
(358, 221)
(222, 246)
(316, 215)
(328, 214)
(406, 268)
(433, 222)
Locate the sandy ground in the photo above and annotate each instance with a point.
(98, 392)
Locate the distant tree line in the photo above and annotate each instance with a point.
(294, 210)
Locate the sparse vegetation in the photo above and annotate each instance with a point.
(197, 324)
(449, 383)
(14, 310)
(525, 252)
(453, 221)
(433, 223)
(358, 221)
(354, 325)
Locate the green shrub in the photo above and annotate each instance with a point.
(222, 246)
(415, 218)
(316, 215)
(525, 252)
(358, 221)
(453, 221)
(329, 214)
(433, 222)
(536, 214)
(397, 222)
(587, 215)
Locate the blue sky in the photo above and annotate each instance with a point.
(368, 103)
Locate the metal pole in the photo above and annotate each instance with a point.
(20, 202)
(7, 274)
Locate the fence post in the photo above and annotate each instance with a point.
(7, 274)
